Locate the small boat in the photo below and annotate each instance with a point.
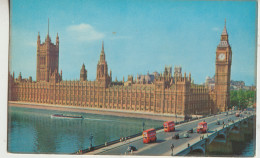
(66, 116)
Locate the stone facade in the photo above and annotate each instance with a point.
(167, 94)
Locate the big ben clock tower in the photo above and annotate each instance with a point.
(222, 74)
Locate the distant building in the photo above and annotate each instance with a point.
(237, 85)
(146, 79)
(234, 85)
(177, 71)
(210, 83)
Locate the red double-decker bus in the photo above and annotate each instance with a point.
(149, 135)
(169, 126)
(202, 127)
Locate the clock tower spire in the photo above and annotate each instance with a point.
(223, 72)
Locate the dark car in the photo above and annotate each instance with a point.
(218, 122)
(176, 136)
(131, 148)
(190, 131)
(186, 135)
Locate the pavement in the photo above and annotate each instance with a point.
(164, 139)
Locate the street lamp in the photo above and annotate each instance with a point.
(91, 138)
(172, 146)
(143, 125)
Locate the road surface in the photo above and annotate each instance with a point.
(164, 139)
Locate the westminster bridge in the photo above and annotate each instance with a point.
(217, 139)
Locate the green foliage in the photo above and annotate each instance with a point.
(242, 98)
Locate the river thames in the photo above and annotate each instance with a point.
(35, 131)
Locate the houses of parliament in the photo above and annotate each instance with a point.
(164, 93)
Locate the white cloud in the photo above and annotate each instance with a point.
(85, 32)
(215, 29)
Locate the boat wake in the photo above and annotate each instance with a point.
(67, 116)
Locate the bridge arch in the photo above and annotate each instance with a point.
(220, 135)
(235, 127)
(196, 151)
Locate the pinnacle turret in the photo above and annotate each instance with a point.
(38, 39)
(83, 73)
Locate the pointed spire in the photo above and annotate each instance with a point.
(83, 66)
(57, 39)
(38, 39)
(224, 32)
(48, 26)
(102, 45)
(224, 38)
(102, 54)
(48, 37)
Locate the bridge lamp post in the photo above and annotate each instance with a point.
(172, 146)
(91, 138)
(107, 140)
(143, 125)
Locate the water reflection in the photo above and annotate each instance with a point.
(33, 130)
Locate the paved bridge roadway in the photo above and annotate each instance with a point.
(164, 139)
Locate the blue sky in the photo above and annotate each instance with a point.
(139, 35)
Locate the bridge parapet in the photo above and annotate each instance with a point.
(208, 138)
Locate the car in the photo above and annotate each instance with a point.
(218, 122)
(190, 131)
(186, 135)
(177, 136)
(131, 148)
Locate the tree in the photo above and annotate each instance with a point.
(242, 98)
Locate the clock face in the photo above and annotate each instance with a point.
(221, 56)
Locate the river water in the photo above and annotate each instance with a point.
(249, 149)
(34, 131)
